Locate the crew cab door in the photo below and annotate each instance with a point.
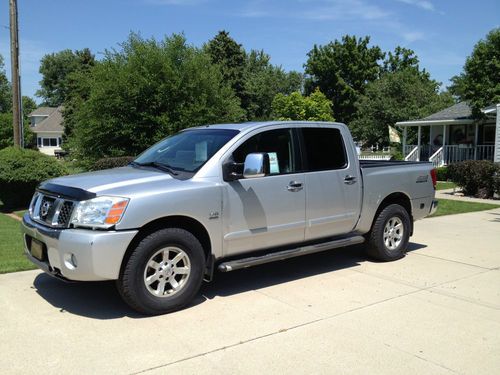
(333, 186)
(269, 211)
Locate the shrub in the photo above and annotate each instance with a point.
(21, 171)
(107, 163)
(475, 177)
(496, 179)
(442, 173)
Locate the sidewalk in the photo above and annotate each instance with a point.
(448, 194)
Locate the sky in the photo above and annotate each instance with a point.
(441, 32)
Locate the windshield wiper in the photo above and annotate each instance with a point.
(155, 164)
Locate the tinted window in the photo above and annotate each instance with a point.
(279, 146)
(324, 149)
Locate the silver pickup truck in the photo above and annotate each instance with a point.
(223, 197)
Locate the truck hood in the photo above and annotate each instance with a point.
(113, 180)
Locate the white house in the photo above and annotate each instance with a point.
(452, 135)
(46, 123)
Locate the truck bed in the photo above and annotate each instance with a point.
(388, 163)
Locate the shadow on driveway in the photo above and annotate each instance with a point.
(100, 300)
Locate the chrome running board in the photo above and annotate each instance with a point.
(289, 253)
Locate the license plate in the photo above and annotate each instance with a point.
(36, 249)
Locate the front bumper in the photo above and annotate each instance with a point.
(77, 254)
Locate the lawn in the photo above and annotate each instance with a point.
(451, 207)
(442, 185)
(11, 247)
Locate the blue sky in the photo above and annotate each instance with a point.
(442, 32)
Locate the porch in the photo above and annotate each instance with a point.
(451, 136)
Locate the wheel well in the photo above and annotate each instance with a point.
(183, 222)
(396, 198)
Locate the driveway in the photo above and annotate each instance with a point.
(437, 311)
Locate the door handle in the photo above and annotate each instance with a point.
(349, 180)
(295, 186)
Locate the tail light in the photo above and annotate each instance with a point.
(434, 177)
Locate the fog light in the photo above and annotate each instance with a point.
(70, 261)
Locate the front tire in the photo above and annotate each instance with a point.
(163, 273)
(390, 234)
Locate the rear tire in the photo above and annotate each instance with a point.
(390, 234)
(163, 273)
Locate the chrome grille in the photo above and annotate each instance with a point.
(50, 210)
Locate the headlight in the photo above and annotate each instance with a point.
(100, 212)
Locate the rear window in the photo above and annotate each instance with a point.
(324, 149)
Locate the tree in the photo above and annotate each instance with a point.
(231, 58)
(479, 83)
(263, 81)
(403, 59)
(316, 107)
(254, 80)
(398, 96)
(341, 70)
(5, 90)
(144, 91)
(55, 69)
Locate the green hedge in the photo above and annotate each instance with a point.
(107, 163)
(476, 177)
(442, 173)
(21, 171)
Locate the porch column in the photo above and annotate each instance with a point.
(476, 135)
(444, 144)
(418, 144)
(405, 134)
(496, 150)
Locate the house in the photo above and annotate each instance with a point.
(453, 135)
(46, 123)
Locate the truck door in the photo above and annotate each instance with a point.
(268, 211)
(331, 182)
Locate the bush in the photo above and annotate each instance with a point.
(442, 173)
(475, 177)
(496, 179)
(21, 171)
(107, 163)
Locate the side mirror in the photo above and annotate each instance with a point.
(256, 165)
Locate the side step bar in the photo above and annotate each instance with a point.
(290, 253)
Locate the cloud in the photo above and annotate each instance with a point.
(351, 9)
(315, 10)
(423, 4)
(412, 36)
(176, 2)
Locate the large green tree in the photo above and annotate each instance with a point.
(5, 90)
(143, 92)
(341, 70)
(254, 80)
(479, 83)
(263, 81)
(55, 69)
(315, 107)
(396, 96)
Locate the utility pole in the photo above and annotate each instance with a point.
(16, 89)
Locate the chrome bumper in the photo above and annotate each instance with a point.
(77, 254)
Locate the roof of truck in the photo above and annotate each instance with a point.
(258, 124)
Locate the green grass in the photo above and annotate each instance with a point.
(451, 207)
(442, 185)
(12, 258)
(20, 213)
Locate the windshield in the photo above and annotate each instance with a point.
(186, 151)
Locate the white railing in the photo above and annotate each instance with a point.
(485, 152)
(456, 153)
(413, 155)
(374, 157)
(437, 158)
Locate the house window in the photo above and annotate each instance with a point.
(48, 142)
(489, 134)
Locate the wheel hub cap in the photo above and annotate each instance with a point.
(393, 233)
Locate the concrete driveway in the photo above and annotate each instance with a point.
(437, 311)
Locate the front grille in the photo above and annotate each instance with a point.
(51, 211)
